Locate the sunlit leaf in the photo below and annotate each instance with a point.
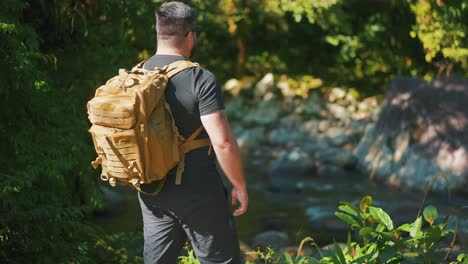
(366, 231)
(405, 227)
(351, 206)
(430, 214)
(288, 258)
(365, 203)
(380, 215)
(340, 253)
(348, 209)
(416, 228)
(347, 218)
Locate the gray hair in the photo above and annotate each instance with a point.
(174, 19)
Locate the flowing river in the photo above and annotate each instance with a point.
(306, 212)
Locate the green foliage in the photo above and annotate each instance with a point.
(189, 259)
(440, 28)
(324, 12)
(382, 243)
(46, 189)
(379, 241)
(122, 248)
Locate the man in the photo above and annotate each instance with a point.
(198, 208)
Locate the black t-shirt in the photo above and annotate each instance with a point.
(190, 93)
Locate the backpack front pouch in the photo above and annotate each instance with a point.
(119, 151)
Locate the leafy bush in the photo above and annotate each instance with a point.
(378, 240)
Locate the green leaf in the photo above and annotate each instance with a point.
(371, 249)
(332, 40)
(416, 228)
(380, 228)
(389, 254)
(366, 231)
(309, 261)
(388, 236)
(358, 251)
(434, 234)
(462, 257)
(381, 216)
(288, 258)
(430, 214)
(349, 208)
(365, 202)
(405, 227)
(335, 259)
(348, 244)
(340, 254)
(347, 218)
(449, 231)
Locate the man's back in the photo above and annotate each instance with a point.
(190, 93)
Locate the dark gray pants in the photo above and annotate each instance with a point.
(209, 226)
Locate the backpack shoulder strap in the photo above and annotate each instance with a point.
(178, 66)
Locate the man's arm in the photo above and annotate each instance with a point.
(228, 154)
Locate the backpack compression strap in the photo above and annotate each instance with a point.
(190, 143)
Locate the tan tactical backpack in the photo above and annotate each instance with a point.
(134, 133)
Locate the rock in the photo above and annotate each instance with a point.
(270, 96)
(330, 170)
(318, 213)
(336, 93)
(420, 136)
(291, 121)
(324, 153)
(311, 127)
(283, 136)
(285, 87)
(274, 239)
(250, 138)
(339, 112)
(309, 106)
(336, 136)
(265, 84)
(324, 125)
(293, 164)
(358, 126)
(233, 86)
(366, 108)
(236, 109)
(288, 168)
(265, 113)
(315, 187)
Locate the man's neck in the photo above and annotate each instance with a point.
(169, 51)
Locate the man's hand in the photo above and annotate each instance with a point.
(241, 196)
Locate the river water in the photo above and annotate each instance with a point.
(306, 212)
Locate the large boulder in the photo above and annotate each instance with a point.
(420, 137)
